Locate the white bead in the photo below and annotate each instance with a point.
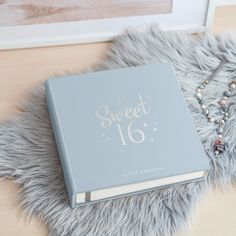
(216, 152)
(198, 90)
(222, 122)
(212, 119)
(204, 106)
(220, 136)
(232, 85)
(199, 95)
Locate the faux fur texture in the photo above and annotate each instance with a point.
(28, 154)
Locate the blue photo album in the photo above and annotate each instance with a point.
(123, 131)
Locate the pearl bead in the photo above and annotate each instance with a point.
(232, 85)
(220, 136)
(204, 106)
(222, 122)
(206, 111)
(225, 98)
(198, 90)
(198, 95)
(212, 119)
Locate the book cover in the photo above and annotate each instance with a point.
(123, 131)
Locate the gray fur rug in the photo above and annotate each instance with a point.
(28, 154)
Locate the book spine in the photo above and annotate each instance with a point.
(61, 149)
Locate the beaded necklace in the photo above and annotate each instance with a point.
(219, 145)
